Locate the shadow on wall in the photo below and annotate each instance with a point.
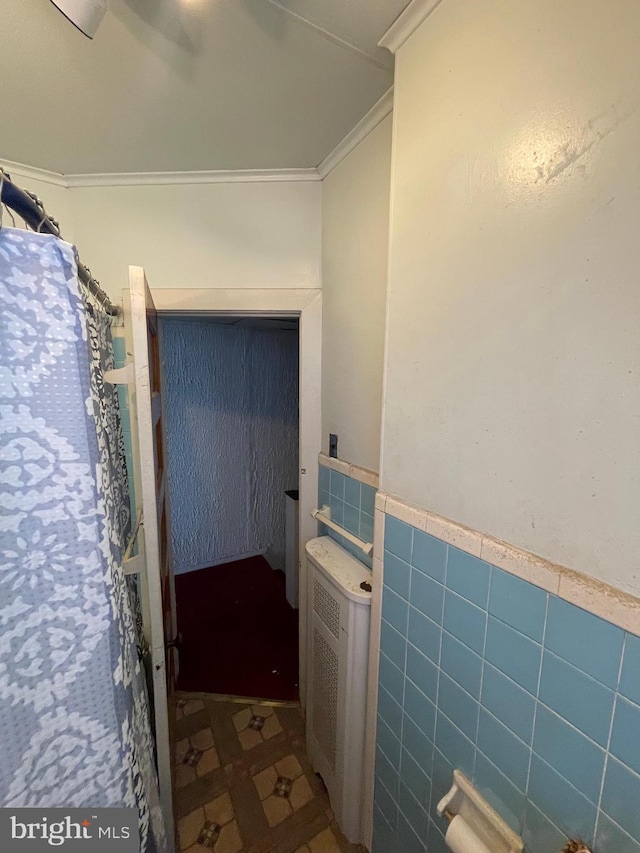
(182, 23)
(176, 22)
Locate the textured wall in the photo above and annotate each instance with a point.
(232, 428)
(511, 399)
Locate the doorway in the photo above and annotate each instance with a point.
(146, 406)
(306, 305)
(231, 422)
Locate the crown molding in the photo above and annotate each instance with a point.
(406, 23)
(378, 112)
(134, 179)
(33, 173)
(244, 176)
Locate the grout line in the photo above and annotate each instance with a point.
(502, 773)
(404, 669)
(391, 662)
(537, 700)
(504, 675)
(376, 806)
(483, 659)
(393, 699)
(458, 729)
(438, 673)
(573, 666)
(413, 645)
(511, 732)
(621, 664)
(430, 701)
(567, 781)
(379, 746)
(626, 767)
(395, 802)
(464, 690)
(546, 817)
(517, 630)
(620, 828)
(571, 726)
(608, 748)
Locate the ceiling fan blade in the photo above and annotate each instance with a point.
(86, 15)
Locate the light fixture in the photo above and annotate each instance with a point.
(86, 15)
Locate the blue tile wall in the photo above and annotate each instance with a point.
(535, 700)
(352, 507)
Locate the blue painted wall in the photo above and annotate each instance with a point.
(352, 507)
(534, 699)
(231, 397)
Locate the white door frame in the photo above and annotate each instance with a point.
(306, 304)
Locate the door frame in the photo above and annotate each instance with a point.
(306, 304)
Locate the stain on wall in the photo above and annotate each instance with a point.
(231, 396)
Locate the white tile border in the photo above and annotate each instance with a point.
(616, 606)
(521, 563)
(356, 472)
(378, 534)
(409, 513)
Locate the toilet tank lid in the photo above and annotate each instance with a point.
(340, 567)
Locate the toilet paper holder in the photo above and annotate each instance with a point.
(464, 800)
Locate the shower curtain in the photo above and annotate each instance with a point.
(74, 715)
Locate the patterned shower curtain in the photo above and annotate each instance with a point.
(74, 715)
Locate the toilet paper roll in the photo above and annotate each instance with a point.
(461, 838)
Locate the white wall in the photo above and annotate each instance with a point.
(355, 229)
(231, 402)
(229, 235)
(513, 354)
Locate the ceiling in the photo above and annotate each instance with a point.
(190, 85)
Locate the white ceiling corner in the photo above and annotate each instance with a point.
(378, 112)
(415, 13)
(346, 23)
(170, 86)
(32, 173)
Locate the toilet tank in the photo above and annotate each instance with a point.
(338, 649)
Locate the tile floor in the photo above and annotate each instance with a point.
(243, 783)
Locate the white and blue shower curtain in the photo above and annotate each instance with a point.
(74, 715)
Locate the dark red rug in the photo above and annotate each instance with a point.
(239, 634)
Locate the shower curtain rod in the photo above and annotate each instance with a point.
(29, 207)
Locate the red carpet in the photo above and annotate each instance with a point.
(239, 634)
